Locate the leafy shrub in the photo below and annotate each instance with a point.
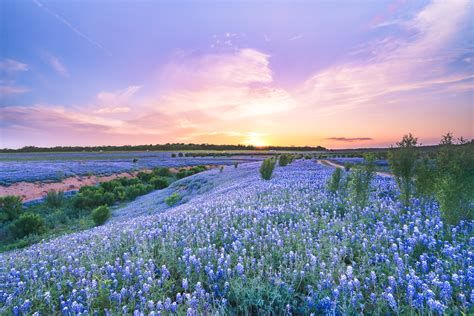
(10, 208)
(173, 199)
(335, 180)
(135, 160)
(266, 169)
(236, 164)
(173, 155)
(402, 164)
(145, 176)
(348, 166)
(26, 224)
(109, 198)
(180, 155)
(360, 179)
(284, 160)
(454, 186)
(100, 215)
(54, 199)
(163, 172)
(221, 169)
(159, 182)
(425, 178)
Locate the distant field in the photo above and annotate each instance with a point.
(32, 167)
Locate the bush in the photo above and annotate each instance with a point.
(10, 208)
(100, 215)
(425, 178)
(180, 155)
(54, 199)
(173, 199)
(159, 182)
(221, 169)
(145, 176)
(135, 160)
(27, 224)
(348, 166)
(454, 186)
(284, 160)
(173, 155)
(402, 164)
(335, 180)
(236, 164)
(266, 169)
(163, 172)
(360, 180)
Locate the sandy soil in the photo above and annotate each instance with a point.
(34, 190)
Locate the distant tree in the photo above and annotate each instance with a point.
(54, 198)
(402, 164)
(266, 168)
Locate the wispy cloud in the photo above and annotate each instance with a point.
(349, 139)
(57, 66)
(296, 37)
(11, 90)
(70, 26)
(11, 66)
(396, 65)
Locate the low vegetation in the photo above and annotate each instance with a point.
(90, 206)
(266, 169)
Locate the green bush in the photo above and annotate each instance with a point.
(173, 199)
(163, 172)
(27, 224)
(180, 155)
(145, 176)
(284, 160)
(348, 166)
(425, 178)
(10, 208)
(454, 186)
(402, 162)
(54, 199)
(360, 179)
(100, 215)
(236, 164)
(159, 182)
(335, 180)
(266, 168)
(173, 155)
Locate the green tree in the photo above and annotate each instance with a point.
(402, 164)
(360, 179)
(266, 168)
(173, 199)
(284, 160)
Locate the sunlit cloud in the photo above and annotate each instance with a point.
(11, 66)
(349, 139)
(57, 66)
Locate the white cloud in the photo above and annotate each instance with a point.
(10, 90)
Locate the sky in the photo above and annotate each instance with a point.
(341, 74)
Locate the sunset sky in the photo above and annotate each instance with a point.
(332, 73)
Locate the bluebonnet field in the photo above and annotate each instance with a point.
(381, 164)
(32, 167)
(250, 245)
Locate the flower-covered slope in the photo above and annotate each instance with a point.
(253, 246)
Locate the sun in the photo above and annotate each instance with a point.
(255, 140)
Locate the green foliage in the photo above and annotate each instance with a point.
(54, 199)
(236, 164)
(402, 164)
(348, 166)
(180, 155)
(284, 160)
(159, 182)
(221, 168)
(454, 186)
(335, 180)
(425, 178)
(135, 160)
(360, 179)
(163, 172)
(173, 199)
(100, 215)
(173, 155)
(10, 208)
(266, 169)
(26, 224)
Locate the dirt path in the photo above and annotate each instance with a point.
(29, 191)
(336, 165)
